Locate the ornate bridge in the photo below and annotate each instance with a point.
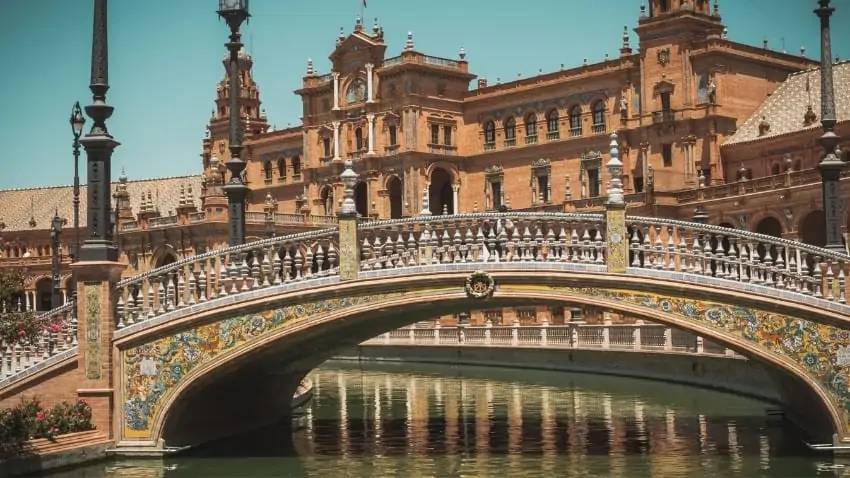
(213, 342)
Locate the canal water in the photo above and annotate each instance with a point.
(408, 420)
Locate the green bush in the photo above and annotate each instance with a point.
(30, 420)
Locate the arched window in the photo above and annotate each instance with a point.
(281, 169)
(296, 168)
(552, 125)
(531, 129)
(267, 172)
(510, 131)
(599, 117)
(575, 121)
(358, 137)
(489, 135)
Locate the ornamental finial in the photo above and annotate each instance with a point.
(615, 173)
(349, 180)
(426, 203)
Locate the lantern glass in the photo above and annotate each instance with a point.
(232, 6)
(77, 120)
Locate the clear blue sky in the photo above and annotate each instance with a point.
(165, 61)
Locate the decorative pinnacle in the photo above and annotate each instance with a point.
(426, 203)
(462, 53)
(310, 70)
(409, 45)
(349, 180)
(615, 172)
(626, 45)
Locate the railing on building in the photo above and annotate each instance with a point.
(751, 186)
(642, 337)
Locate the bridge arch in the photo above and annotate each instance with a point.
(313, 324)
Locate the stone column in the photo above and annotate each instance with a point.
(336, 91)
(456, 206)
(370, 97)
(370, 118)
(96, 306)
(615, 213)
(349, 250)
(336, 140)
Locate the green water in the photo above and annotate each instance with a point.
(436, 421)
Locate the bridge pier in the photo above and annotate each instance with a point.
(97, 301)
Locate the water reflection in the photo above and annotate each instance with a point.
(464, 422)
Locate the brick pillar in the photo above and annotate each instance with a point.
(96, 309)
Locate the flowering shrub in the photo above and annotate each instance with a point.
(30, 420)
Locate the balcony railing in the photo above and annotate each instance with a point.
(666, 116)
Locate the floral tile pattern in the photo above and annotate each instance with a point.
(813, 346)
(153, 370)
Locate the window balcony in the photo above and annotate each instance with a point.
(268, 181)
(553, 136)
(531, 139)
(489, 146)
(281, 179)
(575, 132)
(510, 142)
(598, 128)
(665, 116)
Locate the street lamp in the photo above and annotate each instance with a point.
(234, 12)
(831, 165)
(77, 122)
(55, 232)
(99, 144)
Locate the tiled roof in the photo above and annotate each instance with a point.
(17, 206)
(785, 109)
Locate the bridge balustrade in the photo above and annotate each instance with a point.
(59, 338)
(656, 246)
(641, 337)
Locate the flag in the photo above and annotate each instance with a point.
(364, 3)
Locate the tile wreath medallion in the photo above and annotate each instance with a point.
(153, 370)
(813, 346)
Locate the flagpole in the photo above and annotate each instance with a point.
(362, 7)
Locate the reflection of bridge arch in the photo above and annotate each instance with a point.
(288, 334)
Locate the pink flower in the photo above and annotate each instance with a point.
(40, 417)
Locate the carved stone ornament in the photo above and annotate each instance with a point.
(664, 57)
(479, 285)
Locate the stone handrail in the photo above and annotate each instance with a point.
(655, 244)
(482, 237)
(19, 357)
(577, 335)
(737, 255)
(228, 271)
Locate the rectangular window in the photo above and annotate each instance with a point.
(543, 188)
(326, 143)
(593, 183)
(447, 135)
(702, 88)
(638, 183)
(665, 101)
(435, 134)
(496, 192)
(393, 135)
(667, 154)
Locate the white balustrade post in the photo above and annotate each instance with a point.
(336, 91)
(668, 338)
(370, 118)
(387, 338)
(336, 141)
(544, 340)
(636, 332)
(606, 335)
(729, 353)
(574, 336)
(370, 68)
(487, 332)
(700, 345)
(412, 334)
(515, 334)
(437, 333)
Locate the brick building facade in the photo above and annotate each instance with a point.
(702, 120)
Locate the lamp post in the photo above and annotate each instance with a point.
(831, 165)
(77, 122)
(55, 232)
(234, 12)
(99, 145)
